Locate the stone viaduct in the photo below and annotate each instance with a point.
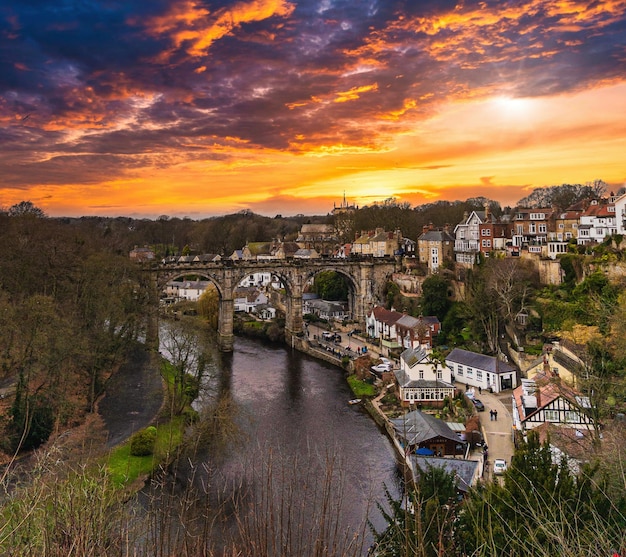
(366, 277)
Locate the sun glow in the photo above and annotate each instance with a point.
(513, 107)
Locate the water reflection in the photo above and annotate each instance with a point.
(295, 421)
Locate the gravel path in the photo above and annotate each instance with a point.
(133, 398)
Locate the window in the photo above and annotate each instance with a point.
(551, 415)
(486, 231)
(421, 374)
(520, 229)
(460, 370)
(434, 257)
(571, 416)
(532, 228)
(561, 225)
(543, 228)
(470, 372)
(486, 243)
(479, 375)
(439, 374)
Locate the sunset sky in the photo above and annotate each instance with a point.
(197, 108)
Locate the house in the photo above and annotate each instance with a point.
(207, 258)
(620, 214)
(495, 234)
(480, 371)
(467, 238)
(265, 312)
(377, 243)
(422, 380)
(257, 279)
(381, 323)
(597, 222)
(567, 222)
(141, 255)
(192, 289)
(532, 227)
(417, 430)
(407, 247)
(319, 237)
(256, 250)
(325, 309)
(435, 247)
(398, 330)
(559, 361)
(547, 399)
(413, 332)
(248, 299)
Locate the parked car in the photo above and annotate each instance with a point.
(499, 466)
(480, 407)
(386, 360)
(381, 368)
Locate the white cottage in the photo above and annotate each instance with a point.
(480, 371)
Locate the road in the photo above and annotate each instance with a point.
(498, 433)
(353, 343)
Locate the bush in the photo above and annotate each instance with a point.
(142, 442)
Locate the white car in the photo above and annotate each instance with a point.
(499, 466)
(381, 368)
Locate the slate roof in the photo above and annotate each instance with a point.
(479, 361)
(436, 236)
(413, 356)
(464, 470)
(417, 428)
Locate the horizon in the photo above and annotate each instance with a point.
(202, 108)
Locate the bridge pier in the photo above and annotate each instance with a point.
(225, 337)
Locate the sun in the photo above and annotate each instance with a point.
(513, 107)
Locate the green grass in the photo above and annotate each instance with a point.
(125, 468)
(361, 388)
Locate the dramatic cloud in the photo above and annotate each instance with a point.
(200, 107)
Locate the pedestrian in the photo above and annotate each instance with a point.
(495, 415)
(480, 390)
(491, 415)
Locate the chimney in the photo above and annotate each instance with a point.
(425, 228)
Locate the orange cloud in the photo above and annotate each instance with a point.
(191, 23)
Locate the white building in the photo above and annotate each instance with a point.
(480, 371)
(423, 380)
(467, 238)
(248, 299)
(192, 289)
(597, 223)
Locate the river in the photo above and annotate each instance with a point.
(293, 411)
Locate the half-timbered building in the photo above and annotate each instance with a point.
(549, 400)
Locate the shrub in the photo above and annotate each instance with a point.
(142, 442)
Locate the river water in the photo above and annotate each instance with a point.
(293, 411)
